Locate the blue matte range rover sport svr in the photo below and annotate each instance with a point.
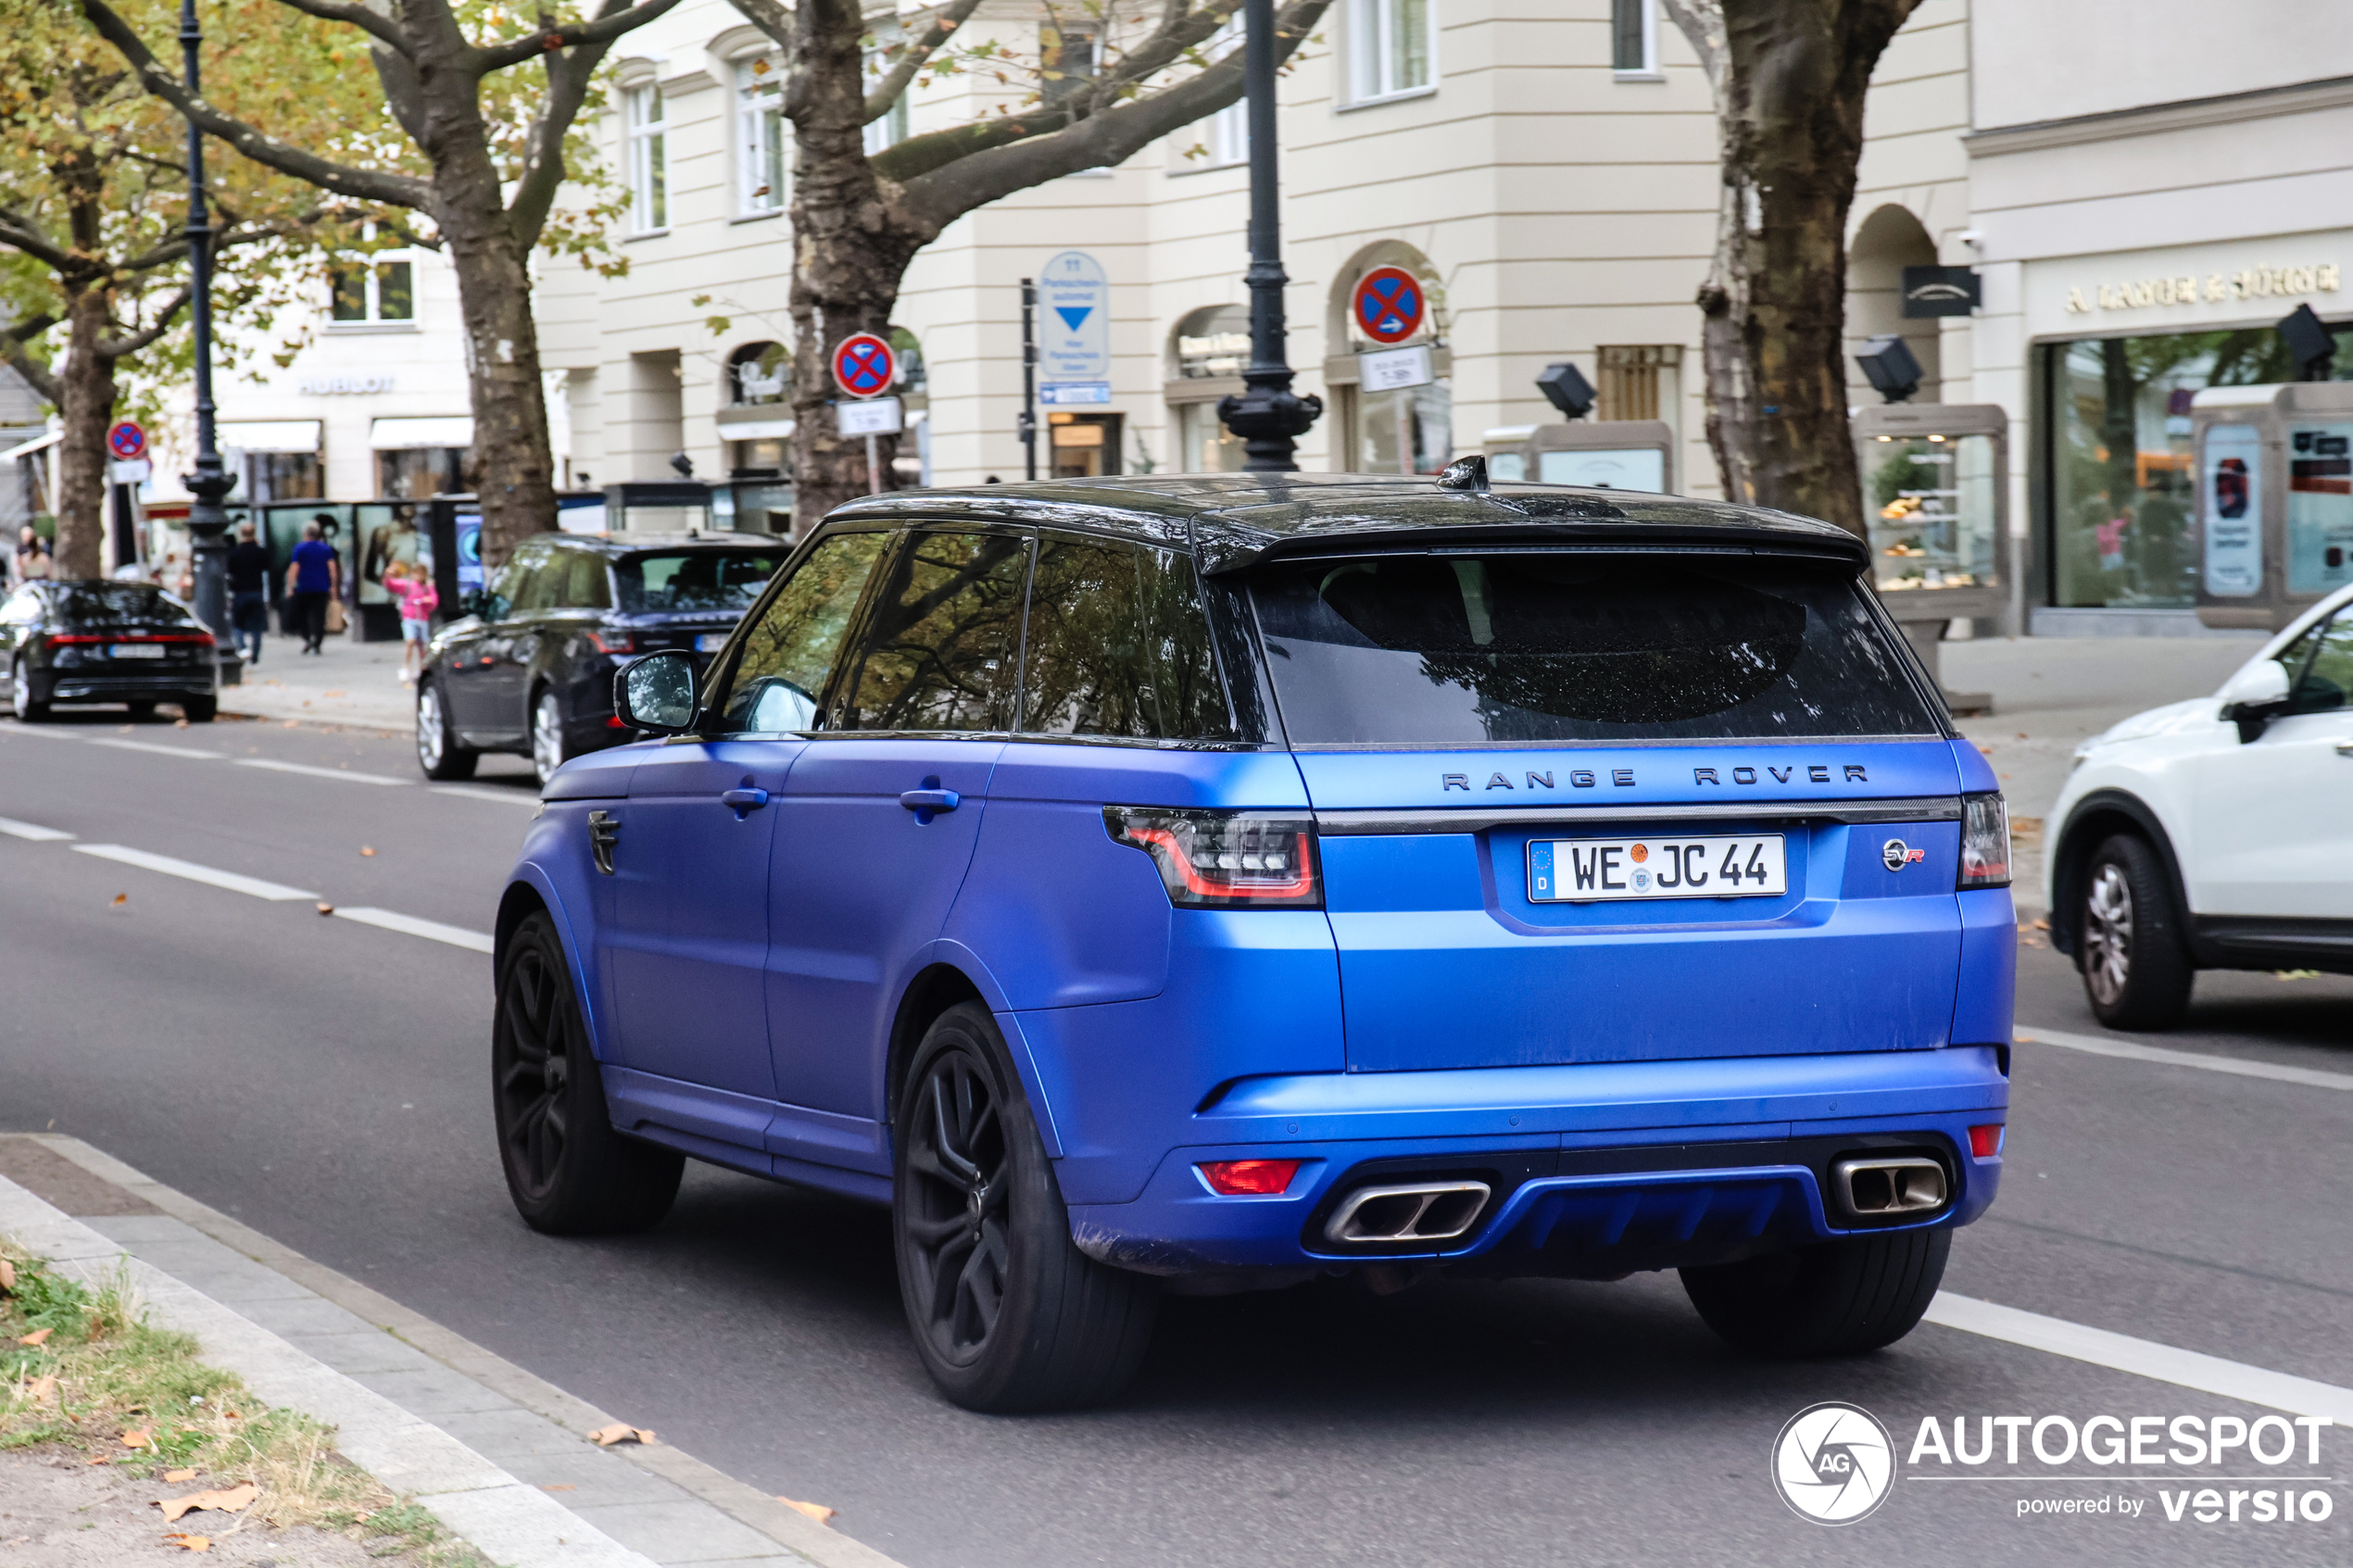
(1206, 883)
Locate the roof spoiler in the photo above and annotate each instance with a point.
(1221, 552)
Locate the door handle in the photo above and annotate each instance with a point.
(929, 802)
(2345, 748)
(743, 800)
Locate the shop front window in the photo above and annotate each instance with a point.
(1083, 445)
(2122, 480)
(1407, 432)
(1204, 445)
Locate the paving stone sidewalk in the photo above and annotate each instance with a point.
(346, 683)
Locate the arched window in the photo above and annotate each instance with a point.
(760, 372)
(1207, 354)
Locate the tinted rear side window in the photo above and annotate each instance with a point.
(942, 637)
(1560, 647)
(1118, 646)
(696, 580)
(118, 604)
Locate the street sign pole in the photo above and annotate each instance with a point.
(1029, 378)
(873, 467)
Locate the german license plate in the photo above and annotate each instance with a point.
(710, 642)
(1577, 871)
(135, 650)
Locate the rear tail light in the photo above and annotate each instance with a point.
(1985, 841)
(614, 642)
(1225, 860)
(1249, 1178)
(88, 639)
(1985, 1142)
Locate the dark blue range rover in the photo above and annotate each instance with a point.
(1205, 883)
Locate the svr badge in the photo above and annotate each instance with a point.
(1896, 854)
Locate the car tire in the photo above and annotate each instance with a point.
(1007, 1313)
(569, 1172)
(200, 709)
(20, 701)
(1832, 1298)
(438, 752)
(2136, 970)
(547, 750)
(141, 711)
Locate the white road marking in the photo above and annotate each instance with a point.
(18, 727)
(33, 830)
(252, 887)
(2311, 1077)
(430, 930)
(478, 792)
(308, 771)
(187, 751)
(2143, 1358)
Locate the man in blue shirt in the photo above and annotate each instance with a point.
(313, 576)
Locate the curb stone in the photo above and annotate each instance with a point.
(532, 1424)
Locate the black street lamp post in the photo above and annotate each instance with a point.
(1267, 415)
(211, 484)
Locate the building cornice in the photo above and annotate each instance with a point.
(2183, 114)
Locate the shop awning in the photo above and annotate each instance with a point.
(38, 444)
(442, 430)
(268, 435)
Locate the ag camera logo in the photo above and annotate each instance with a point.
(1833, 1464)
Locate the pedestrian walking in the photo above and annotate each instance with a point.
(412, 586)
(249, 592)
(313, 577)
(34, 564)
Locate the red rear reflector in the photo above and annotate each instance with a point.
(1249, 1178)
(1985, 1142)
(614, 722)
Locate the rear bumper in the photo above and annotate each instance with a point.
(74, 686)
(1597, 1170)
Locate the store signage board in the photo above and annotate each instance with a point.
(1074, 323)
(863, 364)
(1075, 393)
(1394, 369)
(1939, 291)
(1388, 305)
(2233, 482)
(878, 416)
(127, 441)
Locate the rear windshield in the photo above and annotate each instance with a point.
(1457, 649)
(118, 604)
(694, 580)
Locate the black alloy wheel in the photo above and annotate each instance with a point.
(1841, 1298)
(2137, 972)
(200, 709)
(142, 711)
(1007, 1313)
(569, 1172)
(20, 703)
(439, 753)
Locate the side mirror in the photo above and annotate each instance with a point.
(2255, 697)
(656, 694)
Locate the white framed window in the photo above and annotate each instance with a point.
(891, 129)
(373, 291)
(760, 141)
(649, 160)
(1633, 39)
(1389, 53)
(1225, 134)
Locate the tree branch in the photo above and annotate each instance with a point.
(18, 229)
(956, 181)
(12, 353)
(404, 92)
(608, 25)
(392, 190)
(889, 90)
(571, 73)
(383, 27)
(131, 342)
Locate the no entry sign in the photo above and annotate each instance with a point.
(127, 441)
(863, 364)
(1388, 304)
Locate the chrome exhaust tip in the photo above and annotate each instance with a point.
(1415, 1211)
(1890, 1184)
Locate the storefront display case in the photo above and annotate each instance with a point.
(2275, 529)
(1936, 513)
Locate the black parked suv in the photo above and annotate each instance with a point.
(105, 642)
(529, 668)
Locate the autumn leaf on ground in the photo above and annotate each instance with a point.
(7, 1274)
(43, 1390)
(38, 1337)
(367, 849)
(192, 1543)
(233, 1499)
(326, 909)
(120, 900)
(816, 1511)
(138, 1439)
(176, 1476)
(618, 1432)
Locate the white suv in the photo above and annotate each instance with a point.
(2214, 833)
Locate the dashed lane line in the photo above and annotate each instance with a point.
(2311, 1077)
(310, 771)
(480, 792)
(252, 887)
(192, 753)
(430, 930)
(2143, 1358)
(33, 830)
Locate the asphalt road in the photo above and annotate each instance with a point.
(326, 1081)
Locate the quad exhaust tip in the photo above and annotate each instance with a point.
(1415, 1211)
(1875, 1189)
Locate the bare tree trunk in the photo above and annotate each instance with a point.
(87, 384)
(513, 459)
(1790, 77)
(852, 245)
